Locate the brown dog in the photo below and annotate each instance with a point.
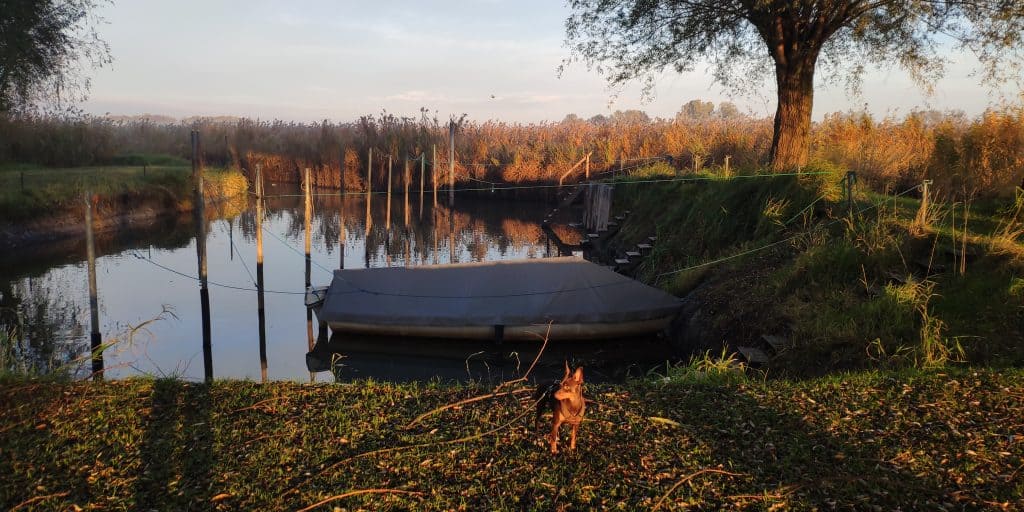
(565, 399)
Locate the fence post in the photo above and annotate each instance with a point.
(308, 195)
(727, 164)
(369, 189)
(451, 163)
(204, 291)
(851, 180)
(433, 170)
(423, 169)
(260, 301)
(95, 341)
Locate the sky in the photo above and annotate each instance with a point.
(310, 60)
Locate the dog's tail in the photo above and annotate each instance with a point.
(543, 396)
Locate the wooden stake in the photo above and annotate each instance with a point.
(433, 170)
(309, 261)
(423, 169)
(387, 216)
(95, 341)
(204, 291)
(451, 163)
(406, 179)
(260, 304)
(588, 166)
(369, 191)
(342, 232)
(727, 164)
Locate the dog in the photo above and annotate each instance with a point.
(565, 399)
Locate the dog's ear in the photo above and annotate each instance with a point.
(567, 370)
(578, 376)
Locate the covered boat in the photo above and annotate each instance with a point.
(514, 300)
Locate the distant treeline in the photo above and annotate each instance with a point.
(983, 156)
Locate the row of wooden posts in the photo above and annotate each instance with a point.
(201, 253)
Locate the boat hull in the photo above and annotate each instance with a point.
(577, 331)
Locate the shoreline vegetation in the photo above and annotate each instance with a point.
(693, 437)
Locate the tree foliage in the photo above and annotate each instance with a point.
(626, 40)
(45, 45)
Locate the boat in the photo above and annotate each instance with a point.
(564, 298)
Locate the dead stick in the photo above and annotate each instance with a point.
(462, 402)
(421, 445)
(357, 493)
(687, 478)
(547, 335)
(257, 404)
(39, 498)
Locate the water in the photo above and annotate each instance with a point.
(44, 293)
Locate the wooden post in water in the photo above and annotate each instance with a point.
(451, 163)
(260, 304)
(342, 234)
(406, 179)
(95, 341)
(433, 170)
(204, 291)
(423, 169)
(387, 215)
(588, 167)
(369, 192)
(308, 196)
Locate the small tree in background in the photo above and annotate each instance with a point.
(637, 39)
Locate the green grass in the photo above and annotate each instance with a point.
(838, 290)
(54, 191)
(907, 440)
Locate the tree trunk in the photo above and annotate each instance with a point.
(791, 141)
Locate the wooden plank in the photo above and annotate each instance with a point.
(753, 355)
(632, 254)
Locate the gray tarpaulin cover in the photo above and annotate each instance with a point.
(521, 292)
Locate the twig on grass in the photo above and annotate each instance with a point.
(357, 493)
(687, 478)
(39, 498)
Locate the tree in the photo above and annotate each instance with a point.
(638, 39)
(44, 45)
(695, 110)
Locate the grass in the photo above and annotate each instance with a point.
(882, 291)
(877, 440)
(49, 192)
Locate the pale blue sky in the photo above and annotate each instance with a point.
(317, 59)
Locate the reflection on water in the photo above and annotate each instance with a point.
(45, 291)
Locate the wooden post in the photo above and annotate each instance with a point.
(433, 170)
(451, 163)
(851, 179)
(387, 216)
(309, 260)
(342, 232)
(588, 166)
(727, 164)
(451, 235)
(369, 190)
(406, 179)
(423, 169)
(95, 341)
(260, 303)
(341, 172)
(204, 291)
(922, 211)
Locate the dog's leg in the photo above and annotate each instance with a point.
(572, 438)
(553, 438)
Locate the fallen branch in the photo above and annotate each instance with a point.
(382, 451)
(479, 398)
(257, 404)
(687, 478)
(357, 493)
(493, 394)
(39, 498)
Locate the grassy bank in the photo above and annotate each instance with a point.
(32, 194)
(779, 256)
(867, 441)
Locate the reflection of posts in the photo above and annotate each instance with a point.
(95, 341)
(200, 219)
(260, 304)
(342, 235)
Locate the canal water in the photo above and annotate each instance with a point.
(149, 297)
